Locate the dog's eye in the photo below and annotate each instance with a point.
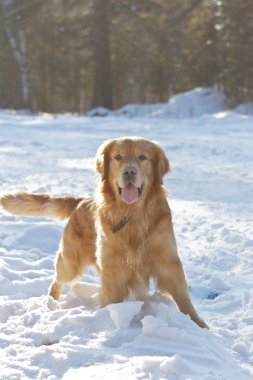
(142, 157)
(118, 157)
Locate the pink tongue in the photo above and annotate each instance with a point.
(129, 194)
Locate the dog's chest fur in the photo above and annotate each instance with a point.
(129, 244)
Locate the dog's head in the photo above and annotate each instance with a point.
(131, 167)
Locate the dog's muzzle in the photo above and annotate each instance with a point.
(130, 192)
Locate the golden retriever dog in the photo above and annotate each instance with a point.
(125, 231)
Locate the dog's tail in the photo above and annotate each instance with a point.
(39, 205)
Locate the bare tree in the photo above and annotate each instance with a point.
(102, 80)
(17, 41)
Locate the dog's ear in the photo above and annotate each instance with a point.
(103, 158)
(161, 164)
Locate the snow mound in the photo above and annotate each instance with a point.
(244, 109)
(99, 111)
(197, 102)
(123, 313)
(160, 343)
(194, 103)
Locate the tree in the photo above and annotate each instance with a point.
(59, 55)
(235, 26)
(102, 80)
(12, 14)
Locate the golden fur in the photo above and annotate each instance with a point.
(126, 231)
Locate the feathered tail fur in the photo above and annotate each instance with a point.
(41, 205)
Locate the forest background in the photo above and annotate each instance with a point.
(74, 55)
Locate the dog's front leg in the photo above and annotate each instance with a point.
(171, 279)
(114, 280)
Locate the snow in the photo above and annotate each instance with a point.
(123, 313)
(245, 109)
(189, 104)
(202, 100)
(210, 193)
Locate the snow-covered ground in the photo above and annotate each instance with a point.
(210, 192)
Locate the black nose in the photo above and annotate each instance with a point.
(130, 170)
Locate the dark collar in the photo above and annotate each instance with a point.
(120, 225)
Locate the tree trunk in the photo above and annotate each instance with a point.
(20, 53)
(24, 69)
(102, 80)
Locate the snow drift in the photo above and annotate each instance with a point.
(193, 103)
